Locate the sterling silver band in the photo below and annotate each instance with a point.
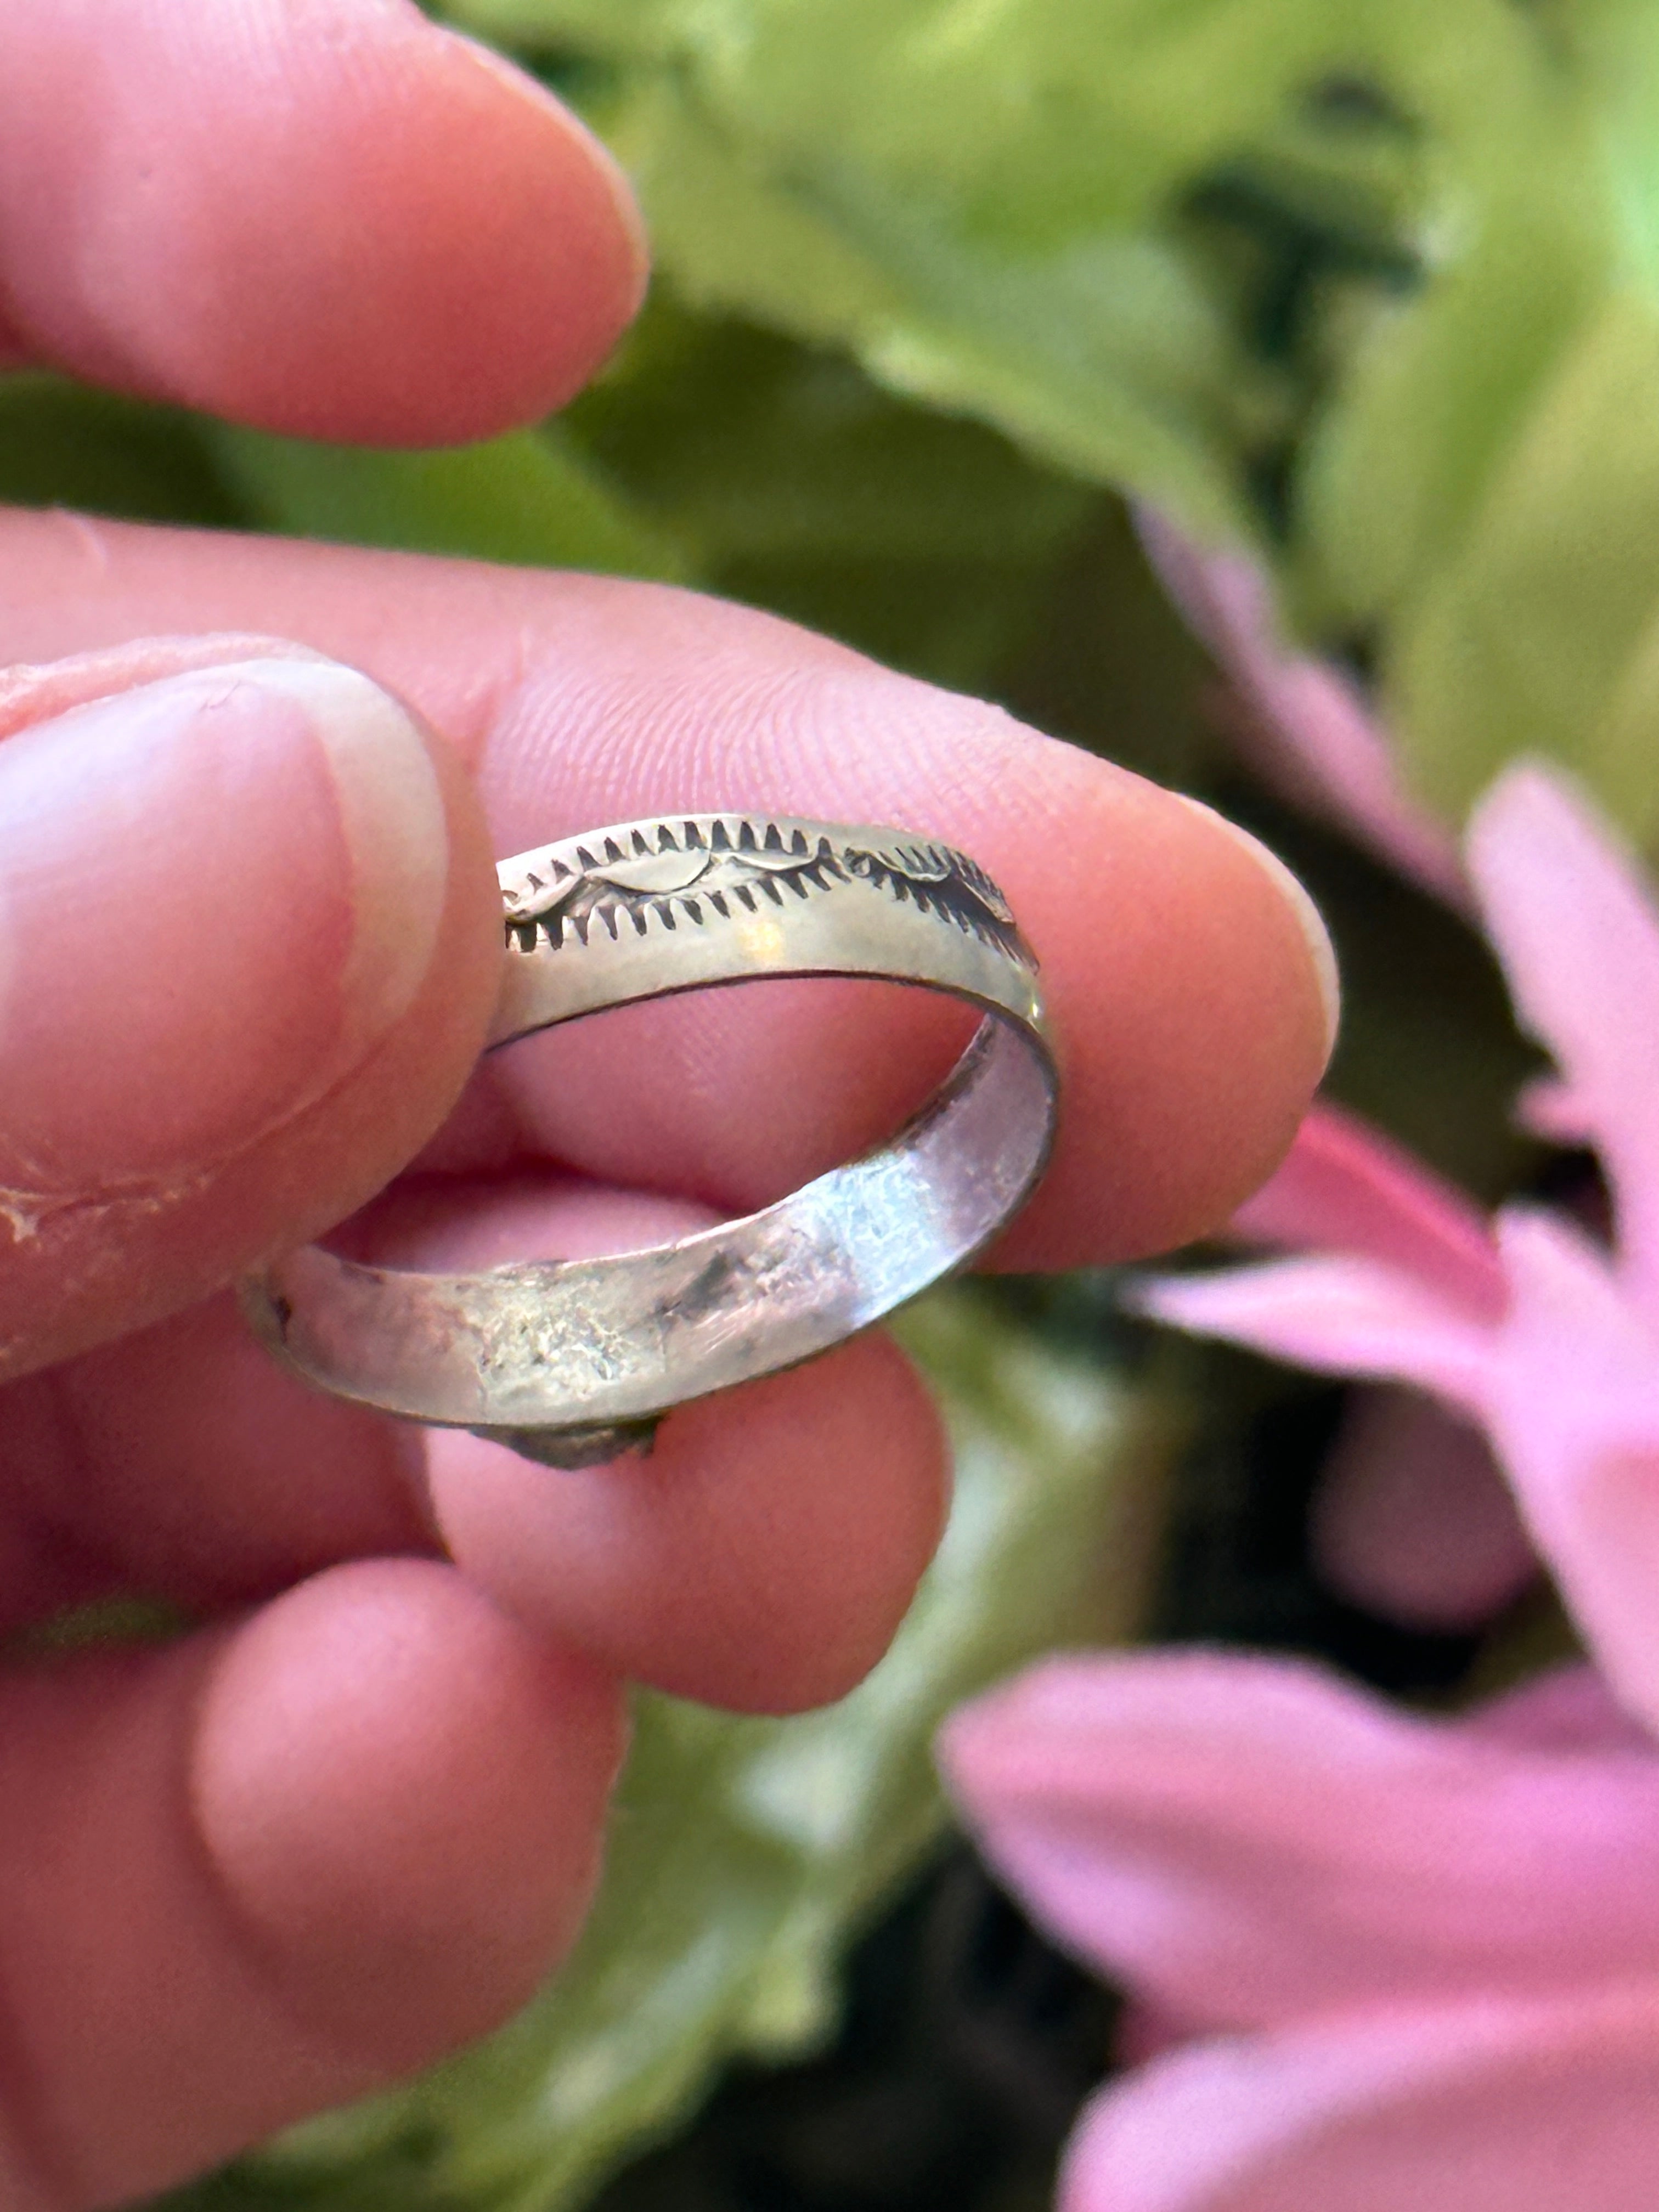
(570, 1361)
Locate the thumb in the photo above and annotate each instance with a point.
(249, 940)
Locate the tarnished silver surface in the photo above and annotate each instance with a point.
(571, 1360)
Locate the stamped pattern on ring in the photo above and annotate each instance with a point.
(662, 873)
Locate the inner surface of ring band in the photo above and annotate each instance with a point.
(602, 1343)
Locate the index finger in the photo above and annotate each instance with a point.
(1191, 989)
(340, 220)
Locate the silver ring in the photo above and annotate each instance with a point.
(571, 1361)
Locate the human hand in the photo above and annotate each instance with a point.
(249, 932)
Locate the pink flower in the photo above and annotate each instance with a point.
(1307, 731)
(1386, 1961)
(1412, 1517)
(1523, 1325)
(1415, 1963)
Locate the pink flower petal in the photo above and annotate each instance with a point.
(1573, 1411)
(1568, 1709)
(1412, 1518)
(1343, 1187)
(1338, 1316)
(1308, 734)
(1575, 928)
(1484, 2107)
(1240, 1839)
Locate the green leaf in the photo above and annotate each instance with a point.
(744, 1851)
(1536, 637)
(530, 497)
(64, 445)
(1372, 287)
(927, 541)
(1072, 220)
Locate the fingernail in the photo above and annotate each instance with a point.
(217, 892)
(1309, 919)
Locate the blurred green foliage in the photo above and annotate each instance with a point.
(530, 497)
(1371, 285)
(799, 485)
(62, 444)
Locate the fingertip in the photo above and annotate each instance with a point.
(369, 229)
(401, 1795)
(760, 1559)
(628, 277)
(1299, 903)
(1195, 998)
